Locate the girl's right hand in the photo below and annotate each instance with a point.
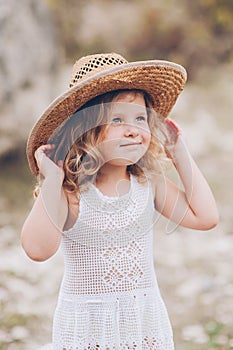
(46, 166)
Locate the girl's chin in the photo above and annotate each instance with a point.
(122, 162)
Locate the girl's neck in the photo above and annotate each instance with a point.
(112, 180)
(112, 173)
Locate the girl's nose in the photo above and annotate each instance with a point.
(131, 131)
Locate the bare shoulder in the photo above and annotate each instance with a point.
(157, 181)
(73, 211)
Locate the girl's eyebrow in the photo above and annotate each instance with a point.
(117, 113)
(142, 113)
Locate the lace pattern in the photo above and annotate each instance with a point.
(109, 298)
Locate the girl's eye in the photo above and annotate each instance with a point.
(116, 120)
(141, 118)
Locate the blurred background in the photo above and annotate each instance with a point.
(39, 42)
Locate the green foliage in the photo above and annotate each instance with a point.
(196, 33)
(217, 13)
(220, 336)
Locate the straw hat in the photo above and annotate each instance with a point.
(97, 74)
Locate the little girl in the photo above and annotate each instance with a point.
(99, 151)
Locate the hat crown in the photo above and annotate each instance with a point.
(88, 66)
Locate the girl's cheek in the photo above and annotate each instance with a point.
(147, 134)
(111, 133)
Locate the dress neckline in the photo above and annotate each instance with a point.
(94, 198)
(114, 198)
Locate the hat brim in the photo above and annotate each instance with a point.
(162, 80)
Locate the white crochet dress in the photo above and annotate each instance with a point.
(109, 298)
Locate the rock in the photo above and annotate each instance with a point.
(28, 66)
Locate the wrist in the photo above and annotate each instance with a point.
(181, 153)
(54, 178)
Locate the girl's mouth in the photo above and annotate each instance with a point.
(131, 144)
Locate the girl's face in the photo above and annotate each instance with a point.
(127, 136)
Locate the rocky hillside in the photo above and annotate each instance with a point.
(28, 65)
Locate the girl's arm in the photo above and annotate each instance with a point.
(193, 206)
(41, 232)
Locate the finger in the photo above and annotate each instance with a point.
(48, 149)
(44, 150)
(60, 163)
(39, 153)
(172, 125)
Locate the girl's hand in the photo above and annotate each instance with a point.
(46, 166)
(174, 133)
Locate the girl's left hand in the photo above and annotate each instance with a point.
(46, 165)
(174, 133)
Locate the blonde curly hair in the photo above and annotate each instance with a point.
(76, 140)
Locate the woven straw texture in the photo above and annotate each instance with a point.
(97, 74)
